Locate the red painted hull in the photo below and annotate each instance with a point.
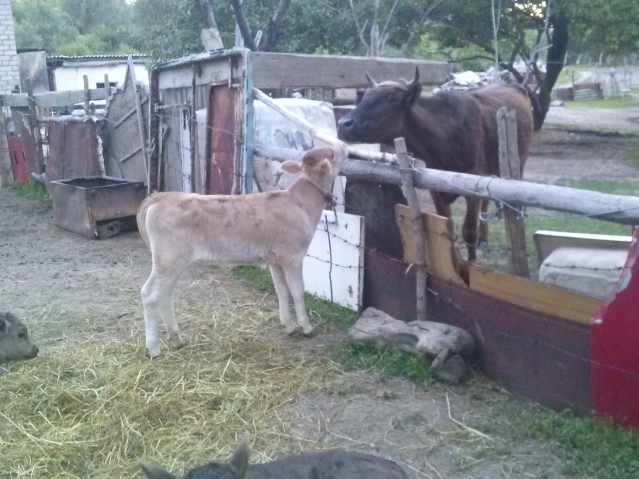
(614, 348)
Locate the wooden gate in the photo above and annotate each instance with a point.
(221, 139)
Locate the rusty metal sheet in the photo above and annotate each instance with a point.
(28, 143)
(82, 204)
(221, 140)
(18, 162)
(540, 356)
(376, 203)
(73, 151)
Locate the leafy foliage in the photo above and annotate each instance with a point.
(72, 27)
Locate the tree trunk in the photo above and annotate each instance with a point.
(554, 65)
(274, 26)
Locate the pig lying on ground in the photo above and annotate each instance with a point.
(15, 344)
(333, 464)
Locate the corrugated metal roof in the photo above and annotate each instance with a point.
(97, 57)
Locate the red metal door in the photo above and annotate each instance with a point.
(614, 347)
(18, 161)
(221, 140)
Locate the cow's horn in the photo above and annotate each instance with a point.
(416, 79)
(372, 82)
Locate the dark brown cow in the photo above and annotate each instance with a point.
(452, 130)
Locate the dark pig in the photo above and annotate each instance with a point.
(333, 464)
(15, 344)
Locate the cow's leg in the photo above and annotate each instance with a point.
(482, 239)
(295, 282)
(469, 228)
(442, 203)
(281, 288)
(155, 292)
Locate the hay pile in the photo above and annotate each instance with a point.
(92, 409)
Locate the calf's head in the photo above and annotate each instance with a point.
(235, 469)
(15, 344)
(320, 165)
(380, 115)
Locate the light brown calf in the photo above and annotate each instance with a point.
(274, 228)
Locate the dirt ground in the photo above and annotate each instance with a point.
(68, 289)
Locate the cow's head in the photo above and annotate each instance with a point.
(320, 164)
(380, 114)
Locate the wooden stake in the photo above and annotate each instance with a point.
(418, 224)
(509, 167)
(107, 92)
(87, 95)
(138, 110)
(35, 127)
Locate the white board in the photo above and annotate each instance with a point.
(185, 148)
(334, 265)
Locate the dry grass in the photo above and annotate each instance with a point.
(91, 409)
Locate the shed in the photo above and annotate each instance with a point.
(212, 92)
(67, 73)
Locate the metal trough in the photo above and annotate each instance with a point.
(94, 206)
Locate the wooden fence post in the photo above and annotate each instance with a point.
(107, 92)
(35, 127)
(87, 95)
(418, 224)
(509, 167)
(6, 169)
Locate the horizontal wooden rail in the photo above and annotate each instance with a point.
(602, 206)
(53, 98)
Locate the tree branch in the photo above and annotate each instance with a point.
(274, 26)
(359, 30)
(430, 8)
(238, 8)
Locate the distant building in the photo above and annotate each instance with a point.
(9, 73)
(67, 73)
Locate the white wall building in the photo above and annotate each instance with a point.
(9, 73)
(67, 73)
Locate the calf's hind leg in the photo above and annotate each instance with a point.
(157, 298)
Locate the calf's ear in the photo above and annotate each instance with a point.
(153, 472)
(291, 166)
(239, 461)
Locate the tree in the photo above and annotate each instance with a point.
(72, 27)
(458, 23)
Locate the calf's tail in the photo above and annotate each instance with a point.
(141, 218)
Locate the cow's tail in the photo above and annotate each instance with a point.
(141, 218)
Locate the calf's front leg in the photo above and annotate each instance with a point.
(295, 282)
(281, 288)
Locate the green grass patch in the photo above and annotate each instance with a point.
(590, 448)
(385, 361)
(34, 190)
(620, 102)
(327, 311)
(632, 158)
(382, 360)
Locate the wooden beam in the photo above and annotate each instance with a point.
(509, 167)
(52, 98)
(283, 70)
(418, 224)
